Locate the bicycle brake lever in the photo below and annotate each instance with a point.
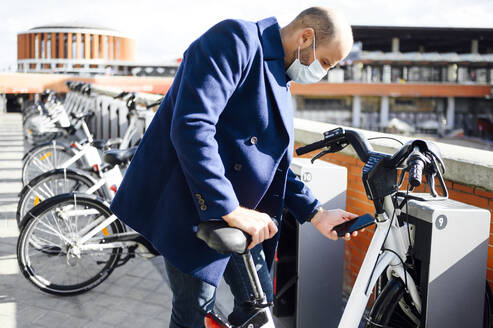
(430, 178)
(333, 148)
(440, 177)
(322, 153)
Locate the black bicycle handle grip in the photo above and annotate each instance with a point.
(311, 147)
(416, 172)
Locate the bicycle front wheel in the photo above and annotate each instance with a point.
(393, 308)
(50, 184)
(46, 250)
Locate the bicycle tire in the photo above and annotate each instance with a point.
(53, 153)
(387, 313)
(30, 113)
(27, 106)
(52, 183)
(34, 148)
(55, 257)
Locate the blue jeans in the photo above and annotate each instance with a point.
(193, 298)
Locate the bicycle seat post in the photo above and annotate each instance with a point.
(85, 128)
(258, 293)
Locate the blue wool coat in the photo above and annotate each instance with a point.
(222, 137)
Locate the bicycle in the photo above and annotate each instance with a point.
(104, 184)
(70, 243)
(390, 261)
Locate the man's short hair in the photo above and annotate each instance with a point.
(320, 19)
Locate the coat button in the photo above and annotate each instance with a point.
(203, 207)
(253, 140)
(237, 167)
(201, 201)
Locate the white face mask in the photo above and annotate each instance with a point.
(306, 74)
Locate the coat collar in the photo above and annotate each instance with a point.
(270, 37)
(275, 72)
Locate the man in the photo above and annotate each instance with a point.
(219, 147)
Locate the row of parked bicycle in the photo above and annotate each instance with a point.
(69, 240)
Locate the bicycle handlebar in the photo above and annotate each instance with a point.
(341, 137)
(415, 172)
(421, 155)
(311, 147)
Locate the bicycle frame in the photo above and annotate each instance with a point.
(131, 131)
(376, 262)
(91, 153)
(86, 242)
(110, 178)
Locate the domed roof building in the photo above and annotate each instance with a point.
(73, 48)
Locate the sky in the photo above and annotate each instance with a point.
(163, 29)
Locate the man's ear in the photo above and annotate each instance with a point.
(306, 38)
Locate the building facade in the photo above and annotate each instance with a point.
(73, 48)
(412, 79)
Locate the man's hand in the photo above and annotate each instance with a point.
(326, 220)
(256, 224)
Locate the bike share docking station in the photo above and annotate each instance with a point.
(308, 269)
(451, 247)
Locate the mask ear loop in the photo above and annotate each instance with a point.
(314, 58)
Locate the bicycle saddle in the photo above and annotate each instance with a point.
(102, 144)
(222, 238)
(118, 156)
(99, 144)
(79, 116)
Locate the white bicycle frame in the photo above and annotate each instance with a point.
(112, 177)
(377, 259)
(91, 154)
(132, 129)
(86, 242)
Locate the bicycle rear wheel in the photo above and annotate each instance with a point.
(45, 249)
(50, 184)
(45, 158)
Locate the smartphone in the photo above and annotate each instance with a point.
(354, 225)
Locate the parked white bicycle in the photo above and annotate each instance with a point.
(390, 260)
(103, 182)
(70, 243)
